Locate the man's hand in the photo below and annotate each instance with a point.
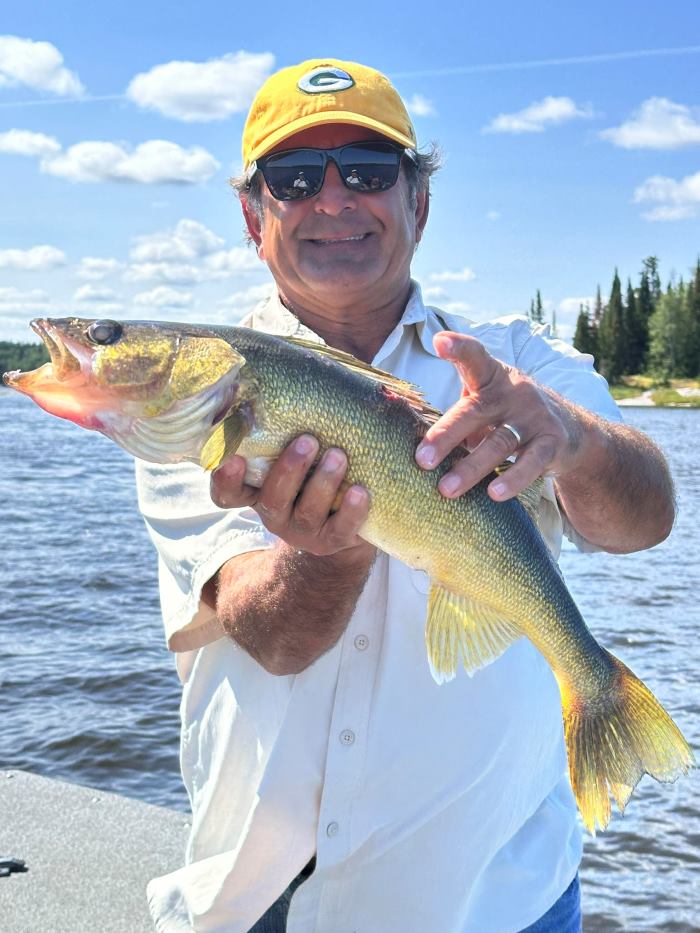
(495, 395)
(296, 509)
(611, 480)
(288, 605)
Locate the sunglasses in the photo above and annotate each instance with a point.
(296, 174)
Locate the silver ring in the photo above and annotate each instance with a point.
(514, 432)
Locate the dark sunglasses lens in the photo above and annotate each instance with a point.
(370, 167)
(293, 175)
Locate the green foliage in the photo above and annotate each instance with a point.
(646, 330)
(536, 313)
(667, 397)
(23, 356)
(586, 335)
(611, 335)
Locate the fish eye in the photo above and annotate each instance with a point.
(104, 332)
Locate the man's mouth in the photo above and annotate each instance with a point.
(333, 241)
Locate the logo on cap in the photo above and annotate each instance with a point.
(325, 81)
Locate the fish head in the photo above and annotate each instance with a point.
(157, 389)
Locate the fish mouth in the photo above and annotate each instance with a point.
(64, 364)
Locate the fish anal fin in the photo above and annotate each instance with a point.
(224, 440)
(459, 628)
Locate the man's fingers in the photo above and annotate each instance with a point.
(475, 364)
(342, 527)
(285, 479)
(456, 426)
(532, 463)
(496, 447)
(227, 486)
(316, 500)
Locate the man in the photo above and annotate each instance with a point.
(321, 758)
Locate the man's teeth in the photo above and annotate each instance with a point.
(343, 239)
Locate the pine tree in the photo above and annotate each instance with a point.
(611, 335)
(692, 317)
(666, 335)
(636, 333)
(536, 310)
(584, 336)
(598, 309)
(554, 322)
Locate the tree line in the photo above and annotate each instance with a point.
(643, 330)
(21, 356)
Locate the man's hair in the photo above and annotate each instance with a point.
(417, 175)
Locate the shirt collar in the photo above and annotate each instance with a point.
(272, 317)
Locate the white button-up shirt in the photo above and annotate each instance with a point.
(429, 808)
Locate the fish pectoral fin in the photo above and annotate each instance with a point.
(460, 628)
(224, 440)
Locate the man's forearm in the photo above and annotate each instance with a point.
(620, 494)
(286, 608)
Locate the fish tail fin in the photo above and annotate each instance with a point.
(616, 737)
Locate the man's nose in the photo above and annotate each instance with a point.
(334, 196)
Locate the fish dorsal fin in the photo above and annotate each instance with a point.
(392, 384)
(224, 440)
(531, 496)
(459, 628)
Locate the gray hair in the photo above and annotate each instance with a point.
(417, 175)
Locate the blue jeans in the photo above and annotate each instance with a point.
(563, 917)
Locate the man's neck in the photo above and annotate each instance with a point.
(357, 329)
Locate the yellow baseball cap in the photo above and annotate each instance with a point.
(324, 90)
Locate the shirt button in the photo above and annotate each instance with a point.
(332, 829)
(347, 737)
(361, 642)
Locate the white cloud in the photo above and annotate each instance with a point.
(38, 65)
(95, 268)
(676, 200)
(493, 215)
(33, 300)
(174, 273)
(241, 303)
(154, 162)
(37, 257)
(229, 262)
(658, 124)
(186, 241)
(463, 275)
(94, 293)
(420, 106)
(535, 118)
(163, 296)
(24, 142)
(455, 307)
(569, 307)
(434, 291)
(201, 91)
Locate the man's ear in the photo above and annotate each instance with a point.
(252, 222)
(422, 211)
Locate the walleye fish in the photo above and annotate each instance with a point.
(174, 392)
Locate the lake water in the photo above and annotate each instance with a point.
(89, 692)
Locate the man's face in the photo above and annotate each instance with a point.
(341, 246)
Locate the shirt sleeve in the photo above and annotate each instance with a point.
(560, 366)
(193, 538)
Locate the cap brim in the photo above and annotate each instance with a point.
(323, 117)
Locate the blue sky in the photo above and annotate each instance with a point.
(571, 137)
